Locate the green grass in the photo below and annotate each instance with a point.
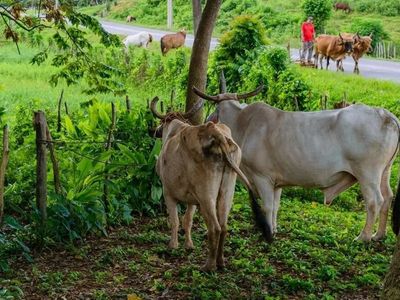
(313, 257)
(357, 88)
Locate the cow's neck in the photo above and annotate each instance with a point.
(228, 112)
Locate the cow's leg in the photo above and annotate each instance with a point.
(327, 62)
(266, 191)
(173, 219)
(208, 210)
(187, 224)
(373, 201)
(277, 201)
(321, 58)
(387, 200)
(224, 204)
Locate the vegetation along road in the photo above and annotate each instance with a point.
(372, 68)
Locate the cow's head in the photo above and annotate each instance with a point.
(364, 43)
(170, 116)
(347, 43)
(220, 98)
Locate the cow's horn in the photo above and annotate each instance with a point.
(195, 108)
(205, 96)
(153, 108)
(251, 94)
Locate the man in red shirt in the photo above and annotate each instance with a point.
(307, 38)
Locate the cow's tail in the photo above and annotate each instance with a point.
(396, 205)
(396, 212)
(259, 216)
(162, 46)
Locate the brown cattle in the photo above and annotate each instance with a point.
(362, 46)
(129, 19)
(173, 40)
(332, 47)
(341, 104)
(342, 6)
(197, 166)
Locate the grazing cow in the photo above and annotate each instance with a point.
(141, 39)
(173, 40)
(129, 19)
(197, 165)
(332, 47)
(342, 6)
(330, 150)
(361, 46)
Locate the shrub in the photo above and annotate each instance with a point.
(236, 49)
(320, 10)
(370, 26)
(290, 92)
(389, 8)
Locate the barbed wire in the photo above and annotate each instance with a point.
(108, 163)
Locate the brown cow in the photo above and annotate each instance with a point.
(341, 104)
(342, 6)
(332, 47)
(173, 40)
(362, 46)
(197, 165)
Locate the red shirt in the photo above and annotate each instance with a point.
(308, 31)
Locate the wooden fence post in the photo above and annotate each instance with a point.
(108, 147)
(59, 111)
(3, 167)
(128, 104)
(56, 168)
(41, 164)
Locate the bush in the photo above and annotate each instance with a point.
(320, 10)
(290, 91)
(370, 26)
(388, 8)
(236, 49)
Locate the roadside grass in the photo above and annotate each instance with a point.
(357, 88)
(313, 257)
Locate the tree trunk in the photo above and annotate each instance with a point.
(391, 289)
(199, 58)
(196, 14)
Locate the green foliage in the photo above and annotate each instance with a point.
(320, 10)
(385, 8)
(290, 91)
(370, 26)
(237, 47)
(249, 63)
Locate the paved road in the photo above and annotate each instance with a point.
(371, 68)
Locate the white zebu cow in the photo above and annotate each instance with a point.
(330, 150)
(141, 39)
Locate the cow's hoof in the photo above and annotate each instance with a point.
(189, 245)
(363, 238)
(378, 237)
(173, 245)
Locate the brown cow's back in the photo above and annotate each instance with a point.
(173, 40)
